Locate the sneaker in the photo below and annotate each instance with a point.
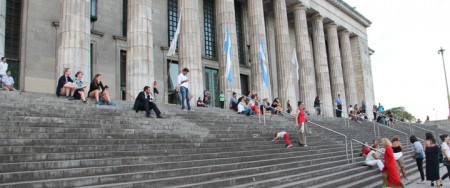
(407, 181)
(98, 103)
(112, 104)
(290, 145)
(185, 110)
(305, 145)
(191, 110)
(421, 182)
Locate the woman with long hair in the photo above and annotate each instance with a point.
(419, 155)
(81, 91)
(390, 172)
(397, 147)
(98, 91)
(431, 159)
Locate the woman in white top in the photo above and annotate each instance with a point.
(373, 159)
(445, 153)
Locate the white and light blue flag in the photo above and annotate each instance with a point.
(227, 48)
(262, 59)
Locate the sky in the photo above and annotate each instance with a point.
(407, 69)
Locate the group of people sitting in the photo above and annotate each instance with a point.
(252, 104)
(357, 113)
(393, 158)
(7, 81)
(76, 89)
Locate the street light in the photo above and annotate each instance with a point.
(441, 52)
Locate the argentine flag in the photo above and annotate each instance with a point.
(227, 48)
(262, 58)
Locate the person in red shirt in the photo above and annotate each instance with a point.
(300, 123)
(365, 150)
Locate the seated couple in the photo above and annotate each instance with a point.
(77, 89)
(145, 101)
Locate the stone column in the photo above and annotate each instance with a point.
(336, 76)
(225, 15)
(140, 45)
(286, 83)
(257, 33)
(190, 54)
(2, 27)
(306, 72)
(347, 66)
(75, 33)
(321, 66)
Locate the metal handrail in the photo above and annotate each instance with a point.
(406, 134)
(411, 130)
(351, 147)
(128, 94)
(346, 119)
(331, 130)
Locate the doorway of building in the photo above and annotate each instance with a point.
(172, 80)
(123, 75)
(244, 84)
(212, 85)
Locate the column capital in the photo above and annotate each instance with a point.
(299, 7)
(317, 16)
(344, 32)
(331, 25)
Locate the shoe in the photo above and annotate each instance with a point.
(191, 110)
(98, 103)
(290, 145)
(407, 181)
(185, 110)
(159, 117)
(149, 116)
(421, 182)
(432, 184)
(85, 102)
(305, 145)
(71, 98)
(112, 104)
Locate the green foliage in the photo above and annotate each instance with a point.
(400, 112)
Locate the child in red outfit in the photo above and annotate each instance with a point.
(283, 135)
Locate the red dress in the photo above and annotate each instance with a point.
(390, 166)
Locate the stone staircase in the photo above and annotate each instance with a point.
(51, 142)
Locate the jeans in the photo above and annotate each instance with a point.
(185, 97)
(419, 162)
(446, 175)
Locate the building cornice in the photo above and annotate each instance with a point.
(347, 9)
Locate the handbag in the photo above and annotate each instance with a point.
(446, 162)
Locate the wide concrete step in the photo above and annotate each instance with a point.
(149, 179)
(193, 166)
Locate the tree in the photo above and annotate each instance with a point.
(400, 112)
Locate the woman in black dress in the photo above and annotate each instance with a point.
(432, 159)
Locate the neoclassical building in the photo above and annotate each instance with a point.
(126, 41)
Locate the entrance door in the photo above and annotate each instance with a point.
(172, 81)
(244, 84)
(123, 74)
(212, 85)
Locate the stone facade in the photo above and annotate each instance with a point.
(330, 39)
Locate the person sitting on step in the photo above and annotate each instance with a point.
(265, 105)
(145, 101)
(372, 158)
(243, 108)
(200, 102)
(66, 87)
(8, 82)
(283, 135)
(234, 102)
(81, 91)
(97, 90)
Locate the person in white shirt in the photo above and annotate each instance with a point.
(8, 82)
(283, 135)
(183, 82)
(372, 158)
(445, 154)
(3, 67)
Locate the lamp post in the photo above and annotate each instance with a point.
(441, 52)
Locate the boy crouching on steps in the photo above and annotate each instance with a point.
(283, 135)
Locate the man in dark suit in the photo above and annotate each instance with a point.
(145, 101)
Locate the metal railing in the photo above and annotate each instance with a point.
(128, 94)
(333, 131)
(346, 119)
(351, 147)
(390, 128)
